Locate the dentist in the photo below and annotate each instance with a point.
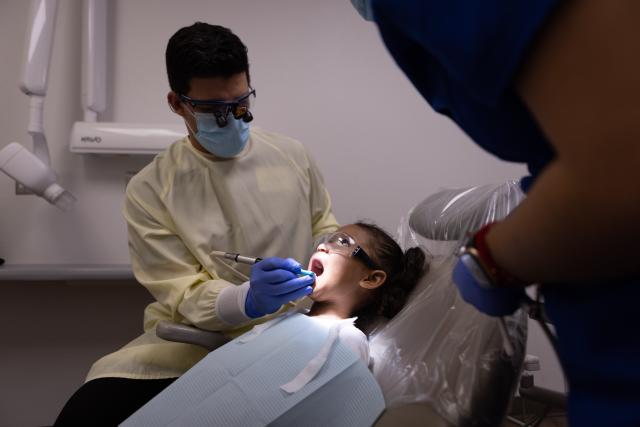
(227, 186)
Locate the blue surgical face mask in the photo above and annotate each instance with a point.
(223, 142)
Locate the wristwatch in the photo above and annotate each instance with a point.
(477, 258)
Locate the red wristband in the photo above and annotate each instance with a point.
(499, 277)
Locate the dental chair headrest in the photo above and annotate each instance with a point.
(449, 214)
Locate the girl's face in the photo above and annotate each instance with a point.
(338, 275)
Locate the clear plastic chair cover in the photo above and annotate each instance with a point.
(439, 349)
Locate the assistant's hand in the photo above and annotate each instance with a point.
(274, 282)
(489, 300)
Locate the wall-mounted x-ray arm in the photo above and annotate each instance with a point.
(27, 169)
(93, 135)
(94, 58)
(33, 169)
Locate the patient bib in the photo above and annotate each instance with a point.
(290, 371)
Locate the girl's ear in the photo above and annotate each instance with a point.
(374, 279)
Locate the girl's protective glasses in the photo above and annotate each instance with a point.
(344, 244)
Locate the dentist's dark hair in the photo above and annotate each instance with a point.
(403, 269)
(203, 50)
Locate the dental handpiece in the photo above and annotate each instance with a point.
(243, 259)
(236, 257)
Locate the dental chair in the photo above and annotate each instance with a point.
(439, 362)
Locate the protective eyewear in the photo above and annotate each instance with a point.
(239, 107)
(343, 244)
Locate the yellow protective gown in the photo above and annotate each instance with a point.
(268, 201)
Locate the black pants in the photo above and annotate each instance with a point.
(108, 401)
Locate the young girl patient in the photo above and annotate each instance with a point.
(275, 374)
(362, 272)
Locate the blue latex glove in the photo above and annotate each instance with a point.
(275, 282)
(491, 301)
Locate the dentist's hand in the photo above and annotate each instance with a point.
(274, 282)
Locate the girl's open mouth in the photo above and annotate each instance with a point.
(317, 267)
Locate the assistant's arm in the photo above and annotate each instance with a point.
(581, 81)
(163, 264)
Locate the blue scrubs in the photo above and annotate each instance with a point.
(462, 56)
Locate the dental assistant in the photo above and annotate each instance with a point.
(554, 85)
(227, 186)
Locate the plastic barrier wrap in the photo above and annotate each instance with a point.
(439, 349)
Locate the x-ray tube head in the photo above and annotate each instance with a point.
(24, 167)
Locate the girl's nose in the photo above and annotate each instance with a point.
(322, 248)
